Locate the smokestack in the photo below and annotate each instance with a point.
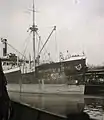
(4, 41)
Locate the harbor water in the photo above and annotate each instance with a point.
(62, 104)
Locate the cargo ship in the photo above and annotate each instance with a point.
(64, 76)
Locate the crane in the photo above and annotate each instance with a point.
(47, 40)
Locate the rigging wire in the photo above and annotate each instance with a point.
(26, 45)
(39, 44)
(40, 41)
(25, 41)
(45, 52)
(56, 46)
(47, 39)
(15, 49)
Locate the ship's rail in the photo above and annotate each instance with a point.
(11, 70)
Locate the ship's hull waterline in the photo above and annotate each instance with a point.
(46, 88)
(15, 85)
(50, 78)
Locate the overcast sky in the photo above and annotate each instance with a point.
(80, 25)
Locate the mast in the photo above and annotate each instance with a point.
(34, 33)
(34, 29)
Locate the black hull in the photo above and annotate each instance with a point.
(94, 90)
(66, 72)
(57, 73)
(30, 78)
(13, 77)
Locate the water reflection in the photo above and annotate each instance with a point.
(64, 104)
(58, 104)
(95, 108)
